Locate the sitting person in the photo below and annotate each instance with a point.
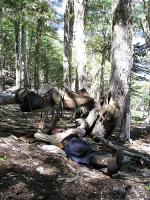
(81, 152)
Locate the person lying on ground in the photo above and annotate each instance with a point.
(82, 153)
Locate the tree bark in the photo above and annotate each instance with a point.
(122, 60)
(18, 53)
(149, 103)
(79, 42)
(102, 77)
(2, 78)
(29, 60)
(37, 53)
(68, 38)
(24, 57)
(2, 81)
(145, 23)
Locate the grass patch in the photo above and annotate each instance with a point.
(3, 158)
(137, 118)
(147, 187)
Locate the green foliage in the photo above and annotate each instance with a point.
(27, 12)
(139, 100)
(98, 33)
(3, 158)
(137, 14)
(147, 187)
(98, 27)
(137, 116)
(51, 61)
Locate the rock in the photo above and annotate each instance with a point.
(53, 149)
(69, 180)
(40, 169)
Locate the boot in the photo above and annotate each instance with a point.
(99, 161)
(114, 163)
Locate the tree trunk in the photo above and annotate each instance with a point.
(29, 60)
(24, 57)
(46, 74)
(2, 81)
(18, 54)
(68, 36)
(122, 60)
(2, 78)
(79, 42)
(149, 103)
(37, 53)
(102, 77)
(145, 23)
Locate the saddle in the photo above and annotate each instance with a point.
(28, 100)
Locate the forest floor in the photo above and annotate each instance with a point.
(29, 172)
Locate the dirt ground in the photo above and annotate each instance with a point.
(27, 172)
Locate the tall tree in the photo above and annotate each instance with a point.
(122, 60)
(68, 37)
(42, 11)
(145, 22)
(98, 28)
(79, 42)
(37, 53)
(17, 27)
(1, 54)
(20, 42)
(24, 56)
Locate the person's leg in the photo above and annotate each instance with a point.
(99, 161)
(111, 163)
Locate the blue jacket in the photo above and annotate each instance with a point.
(79, 151)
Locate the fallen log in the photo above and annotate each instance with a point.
(7, 98)
(58, 137)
